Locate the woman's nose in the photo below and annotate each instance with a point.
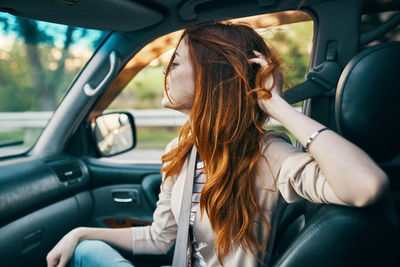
(164, 71)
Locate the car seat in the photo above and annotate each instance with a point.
(366, 109)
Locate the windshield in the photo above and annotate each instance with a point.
(38, 62)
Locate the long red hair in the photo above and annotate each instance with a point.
(225, 124)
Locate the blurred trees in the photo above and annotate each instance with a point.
(36, 63)
(293, 43)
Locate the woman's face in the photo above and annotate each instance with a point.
(180, 81)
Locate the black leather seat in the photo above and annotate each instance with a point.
(367, 110)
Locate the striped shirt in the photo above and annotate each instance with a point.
(198, 184)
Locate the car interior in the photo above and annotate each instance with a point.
(65, 180)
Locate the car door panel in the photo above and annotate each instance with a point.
(113, 182)
(27, 185)
(104, 172)
(43, 199)
(112, 185)
(111, 210)
(27, 240)
(40, 201)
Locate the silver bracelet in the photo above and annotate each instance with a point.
(312, 137)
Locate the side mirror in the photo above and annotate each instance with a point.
(114, 133)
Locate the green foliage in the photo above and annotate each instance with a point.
(28, 135)
(159, 137)
(18, 90)
(148, 78)
(37, 63)
(155, 137)
(6, 136)
(145, 91)
(283, 129)
(17, 93)
(293, 43)
(295, 50)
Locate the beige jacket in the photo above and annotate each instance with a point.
(298, 176)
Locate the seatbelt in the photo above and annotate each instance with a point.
(320, 80)
(182, 238)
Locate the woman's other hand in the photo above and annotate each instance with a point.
(353, 175)
(62, 252)
(272, 83)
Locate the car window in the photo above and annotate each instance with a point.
(373, 20)
(38, 61)
(142, 96)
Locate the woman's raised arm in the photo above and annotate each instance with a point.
(353, 175)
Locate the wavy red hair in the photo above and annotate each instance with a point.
(225, 124)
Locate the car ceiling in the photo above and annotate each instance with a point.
(131, 15)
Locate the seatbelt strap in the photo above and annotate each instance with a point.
(320, 80)
(182, 238)
(303, 91)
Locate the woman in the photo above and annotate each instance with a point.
(228, 82)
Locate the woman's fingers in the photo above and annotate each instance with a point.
(63, 262)
(257, 53)
(52, 260)
(260, 61)
(63, 250)
(57, 259)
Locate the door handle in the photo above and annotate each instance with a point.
(123, 200)
(121, 196)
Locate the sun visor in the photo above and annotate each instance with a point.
(117, 15)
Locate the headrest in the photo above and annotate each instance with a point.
(368, 101)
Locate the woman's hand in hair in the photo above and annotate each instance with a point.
(272, 83)
(354, 177)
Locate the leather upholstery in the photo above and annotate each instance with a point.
(37, 186)
(332, 235)
(367, 106)
(368, 101)
(150, 188)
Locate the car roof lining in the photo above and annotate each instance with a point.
(132, 15)
(117, 15)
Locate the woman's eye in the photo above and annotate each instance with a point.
(174, 64)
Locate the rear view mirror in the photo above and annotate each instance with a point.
(114, 133)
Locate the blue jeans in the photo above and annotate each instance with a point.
(95, 253)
